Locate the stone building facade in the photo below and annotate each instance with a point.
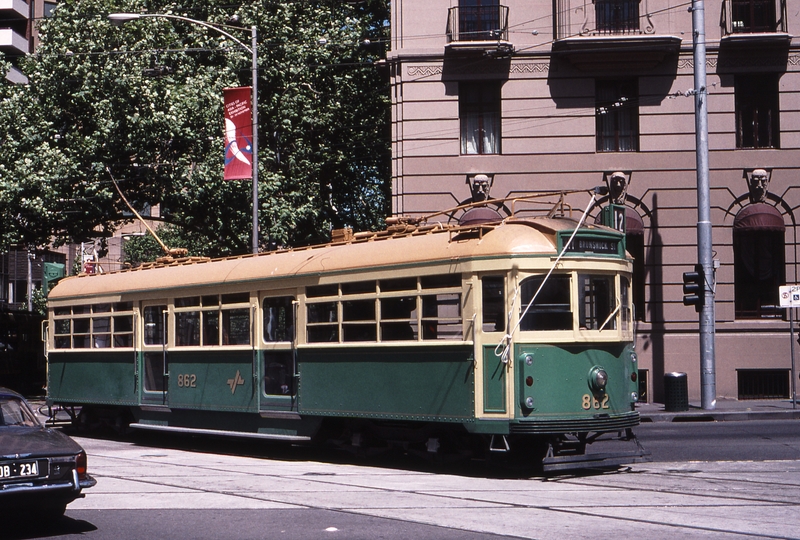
(558, 95)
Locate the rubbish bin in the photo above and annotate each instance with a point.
(676, 392)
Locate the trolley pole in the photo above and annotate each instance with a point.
(704, 239)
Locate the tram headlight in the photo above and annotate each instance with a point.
(598, 379)
(634, 397)
(529, 402)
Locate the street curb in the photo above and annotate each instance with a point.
(718, 416)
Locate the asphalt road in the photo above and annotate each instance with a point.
(722, 441)
(710, 480)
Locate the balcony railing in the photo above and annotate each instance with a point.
(753, 17)
(477, 23)
(616, 17)
(602, 18)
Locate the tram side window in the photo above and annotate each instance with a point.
(62, 333)
(212, 319)
(597, 302)
(625, 284)
(441, 316)
(358, 320)
(101, 332)
(278, 373)
(278, 319)
(398, 309)
(187, 328)
(236, 326)
(98, 326)
(123, 324)
(493, 308)
(154, 331)
(399, 319)
(551, 308)
(323, 322)
(81, 336)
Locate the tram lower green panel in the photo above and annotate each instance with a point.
(557, 378)
(101, 378)
(212, 380)
(411, 383)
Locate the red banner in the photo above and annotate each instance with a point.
(238, 133)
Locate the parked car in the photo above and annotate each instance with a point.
(42, 470)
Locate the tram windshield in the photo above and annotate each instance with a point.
(552, 307)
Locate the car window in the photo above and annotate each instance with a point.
(13, 412)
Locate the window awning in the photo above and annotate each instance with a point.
(759, 217)
(633, 222)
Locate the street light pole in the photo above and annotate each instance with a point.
(707, 325)
(254, 52)
(121, 18)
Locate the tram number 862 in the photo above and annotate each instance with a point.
(591, 402)
(187, 380)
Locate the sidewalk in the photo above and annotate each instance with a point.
(725, 410)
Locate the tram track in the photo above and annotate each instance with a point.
(413, 505)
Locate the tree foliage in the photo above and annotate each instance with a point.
(141, 104)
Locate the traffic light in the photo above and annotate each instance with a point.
(694, 291)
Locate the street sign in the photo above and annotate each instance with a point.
(789, 296)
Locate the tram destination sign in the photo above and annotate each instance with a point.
(789, 296)
(593, 244)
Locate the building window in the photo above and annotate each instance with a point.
(49, 8)
(617, 115)
(757, 124)
(479, 111)
(617, 16)
(759, 268)
(753, 16)
(479, 20)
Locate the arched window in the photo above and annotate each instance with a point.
(759, 261)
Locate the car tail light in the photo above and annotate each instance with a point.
(81, 465)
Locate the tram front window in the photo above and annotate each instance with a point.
(551, 308)
(494, 316)
(597, 302)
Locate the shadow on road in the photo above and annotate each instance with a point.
(24, 527)
(486, 465)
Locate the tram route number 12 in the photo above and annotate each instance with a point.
(591, 402)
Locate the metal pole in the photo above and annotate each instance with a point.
(704, 243)
(254, 48)
(791, 345)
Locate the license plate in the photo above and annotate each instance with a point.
(20, 469)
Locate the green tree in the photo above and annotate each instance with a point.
(142, 105)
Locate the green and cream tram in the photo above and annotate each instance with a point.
(512, 334)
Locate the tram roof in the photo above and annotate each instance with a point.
(400, 246)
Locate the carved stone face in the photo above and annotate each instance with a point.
(617, 187)
(759, 185)
(480, 188)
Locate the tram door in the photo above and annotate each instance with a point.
(154, 366)
(492, 329)
(278, 366)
